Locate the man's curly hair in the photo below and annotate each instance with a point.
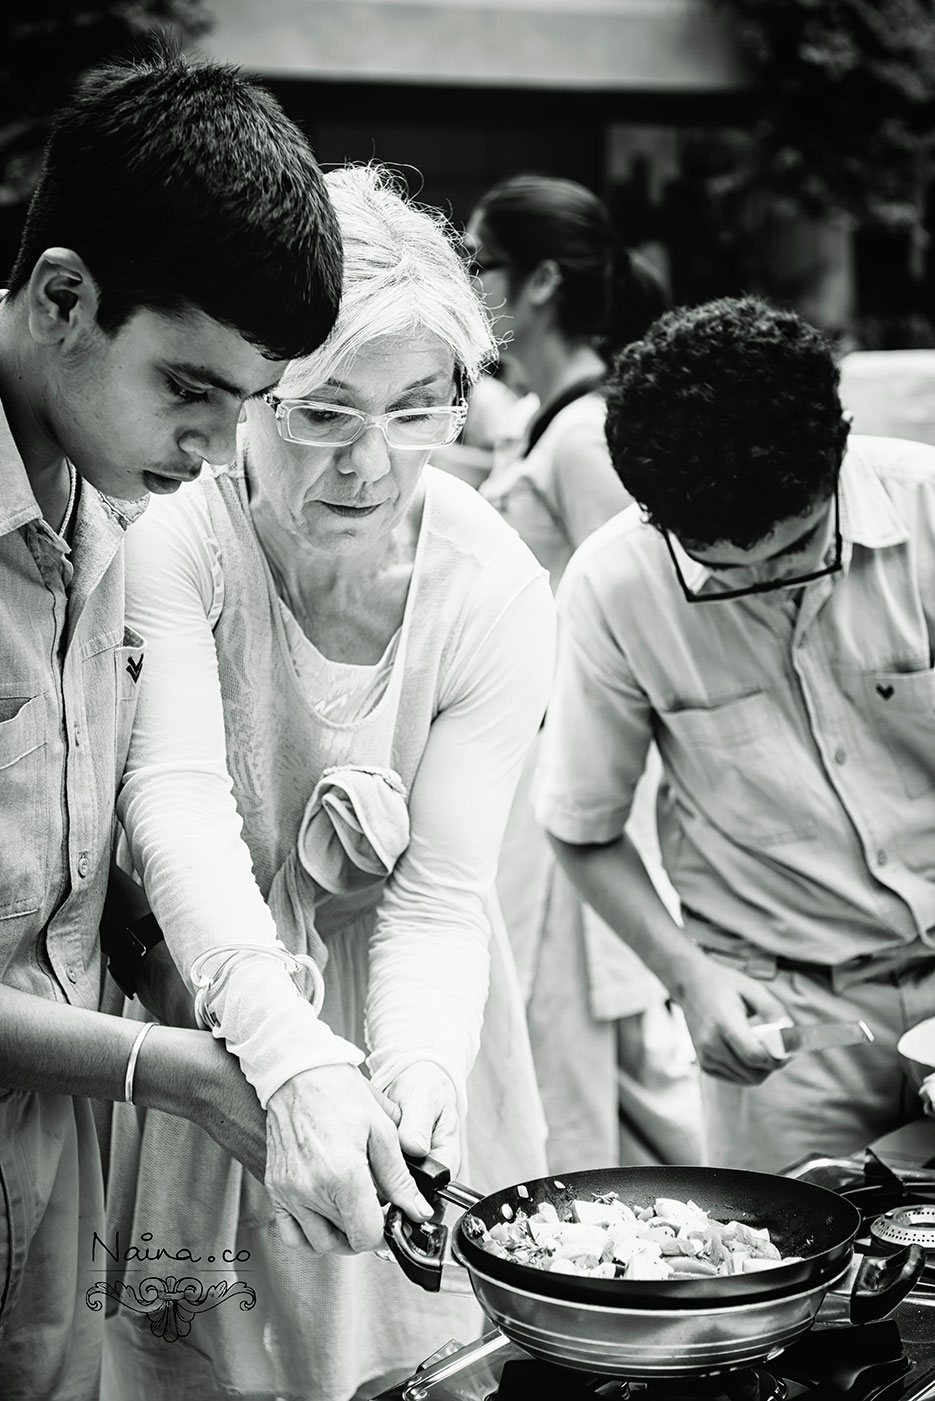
(725, 420)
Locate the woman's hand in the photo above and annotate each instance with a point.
(927, 1095)
(330, 1149)
(720, 1005)
(428, 1113)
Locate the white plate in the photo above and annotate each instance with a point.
(918, 1043)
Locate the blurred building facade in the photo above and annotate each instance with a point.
(644, 101)
(461, 93)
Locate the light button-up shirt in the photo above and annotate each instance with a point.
(798, 740)
(67, 699)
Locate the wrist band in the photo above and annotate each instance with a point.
(204, 983)
(131, 1063)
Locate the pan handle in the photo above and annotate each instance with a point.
(418, 1247)
(431, 1176)
(433, 1180)
(883, 1281)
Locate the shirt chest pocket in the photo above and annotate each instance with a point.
(735, 766)
(901, 705)
(23, 781)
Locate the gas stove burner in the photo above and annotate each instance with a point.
(521, 1380)
(906, 1225)
(748, 1384)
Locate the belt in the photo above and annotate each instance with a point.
(887, 965)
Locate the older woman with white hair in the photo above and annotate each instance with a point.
(348, 656)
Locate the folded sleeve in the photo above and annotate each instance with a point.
(599, 725)
(429, 958)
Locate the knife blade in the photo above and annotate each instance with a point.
(785, 1038)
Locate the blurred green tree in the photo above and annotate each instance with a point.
(45, 45)
(846, 112)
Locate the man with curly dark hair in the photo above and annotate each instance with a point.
(706, 450)
(766, 615)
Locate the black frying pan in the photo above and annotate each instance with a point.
(801, 1219)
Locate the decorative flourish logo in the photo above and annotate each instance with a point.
(135, 667)
(170, 1303)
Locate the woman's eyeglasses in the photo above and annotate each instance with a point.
(320, 424)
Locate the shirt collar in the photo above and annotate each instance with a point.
(18, 504)
(868, 517)
(17, 501)
(695, 574)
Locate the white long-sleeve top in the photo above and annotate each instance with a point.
(227, 747)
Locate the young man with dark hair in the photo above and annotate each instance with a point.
(179, 249)
(766, 615)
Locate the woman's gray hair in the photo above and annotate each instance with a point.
(403, 275)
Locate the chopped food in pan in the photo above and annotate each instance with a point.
(606, 1239)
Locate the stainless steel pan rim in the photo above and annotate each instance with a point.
(640, 1342)
(699, 1310)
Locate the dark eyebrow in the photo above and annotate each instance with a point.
(203, 376)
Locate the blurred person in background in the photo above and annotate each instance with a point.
(498, 408)
(349, 657)
(564, 294)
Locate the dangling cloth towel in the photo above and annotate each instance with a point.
(354, 830)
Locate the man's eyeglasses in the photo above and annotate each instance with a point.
(770, 585)
(320, 424)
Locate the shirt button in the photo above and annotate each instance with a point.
(839, 756)
(84, 863)
(881, 857)
(72, 974)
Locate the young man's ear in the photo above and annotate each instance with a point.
(544, 281)
(62, 297)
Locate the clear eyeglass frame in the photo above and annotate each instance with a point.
(449, 419)
(771, 585)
